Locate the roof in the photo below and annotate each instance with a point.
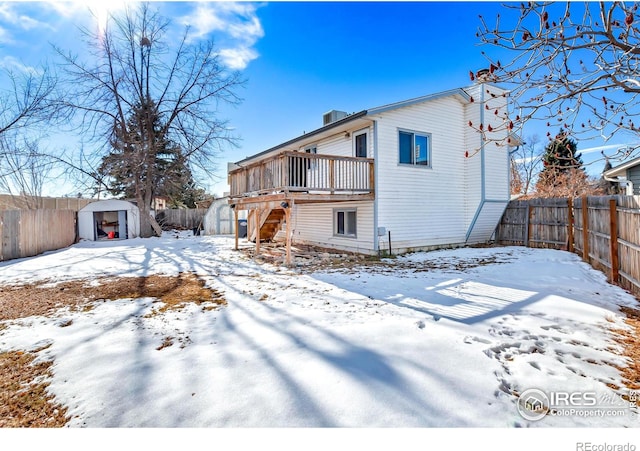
(464, 96)
(622, 168)
(393, 106)
(327, 127)
(109, 205)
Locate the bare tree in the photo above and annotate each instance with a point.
(570, 183)
(137, 68)
(24, 171)
(573, 65)
(25, 102)
(27, 99)
(525, 161)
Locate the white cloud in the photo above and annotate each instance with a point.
(238, 20)
(12, 64)
(9, 15)
(238, 58)
(238, 25)
(4, 36)
(69, 9)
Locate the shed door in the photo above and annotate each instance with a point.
(122, 224)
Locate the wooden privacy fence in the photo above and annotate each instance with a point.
(604, 230)
(26, 233)
(181, 218)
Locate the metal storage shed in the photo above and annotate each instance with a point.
(219, 219)
(109, 219)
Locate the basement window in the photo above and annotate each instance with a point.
(414, 148)
(344, 222)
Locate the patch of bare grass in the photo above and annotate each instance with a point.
(630, 340)
(19, 301)
(24, 400)
(166, 342)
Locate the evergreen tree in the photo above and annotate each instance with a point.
(561, 154)
(563, 174)
(145, 164)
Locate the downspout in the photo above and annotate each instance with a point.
(482, 170)
(376, 238)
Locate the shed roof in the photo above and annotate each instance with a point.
(110, 205)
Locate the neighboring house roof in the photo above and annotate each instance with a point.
(464, 96)
(621, 170)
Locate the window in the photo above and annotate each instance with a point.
(313, 149)
(414, 148)
(345, 223)
(361, 145)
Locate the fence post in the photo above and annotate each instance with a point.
(526, 224)
(613, 233)
(236, 231)
(332, 176)
(287, 212)
(570, 224)
(256, 217)
(585, 229)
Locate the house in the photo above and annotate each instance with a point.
(419, 174)
(627, 175)
(109, 219)
(159, 203)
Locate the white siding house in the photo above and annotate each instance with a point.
(627, 176)
(424, 173)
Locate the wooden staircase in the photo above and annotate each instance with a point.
(270, 223)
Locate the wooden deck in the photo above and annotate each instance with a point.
(304, 177)
(269, 188)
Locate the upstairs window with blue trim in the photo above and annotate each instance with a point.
(414, 148)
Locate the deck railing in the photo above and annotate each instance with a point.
(306, 172)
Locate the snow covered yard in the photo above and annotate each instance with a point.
(444, 339)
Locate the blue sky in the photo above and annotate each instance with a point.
(300, 59)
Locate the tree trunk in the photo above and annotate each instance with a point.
(148, 225)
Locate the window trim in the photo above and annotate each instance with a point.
(415, 133)
(335, 223)
(364, 131)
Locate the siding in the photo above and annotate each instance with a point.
(341, 146)
(472, 164)
(482, 210)
(313, 224)
(486, 222)
(422, 206)
(633, 174)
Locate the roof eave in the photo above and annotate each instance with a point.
(622, 168)
(338, 123)
(405, 103)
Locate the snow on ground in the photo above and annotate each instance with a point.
(445, 339)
